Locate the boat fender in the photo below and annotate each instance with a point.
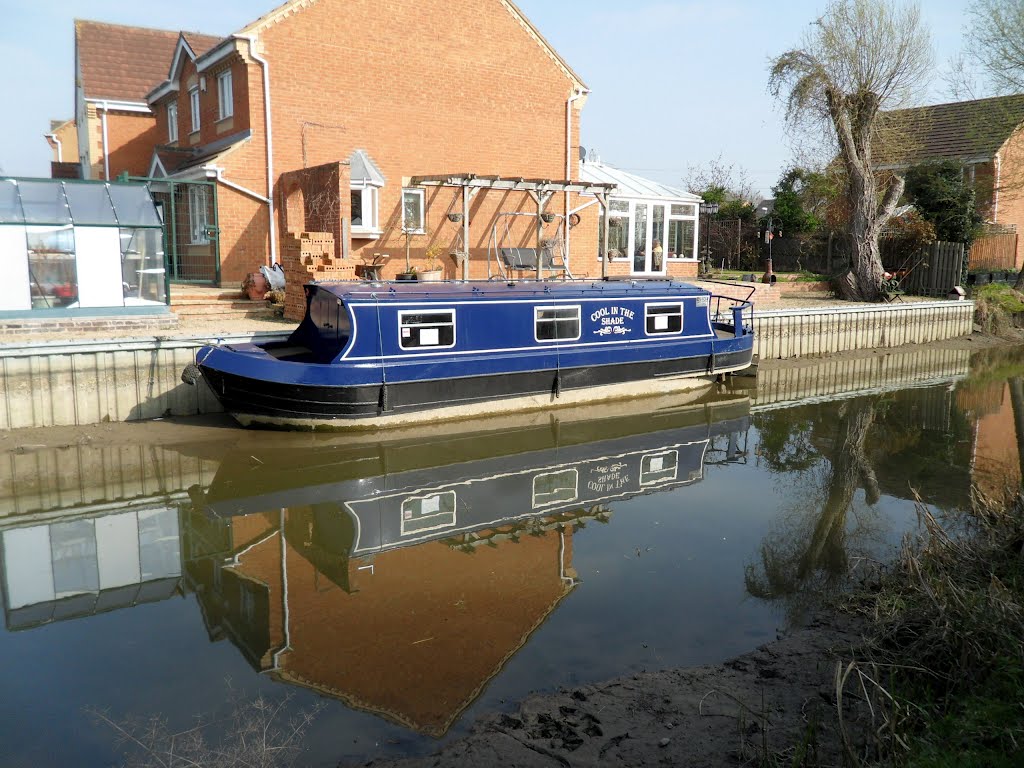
(382, 401)
(558, 385)
(191, 374)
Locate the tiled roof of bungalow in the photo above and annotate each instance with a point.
(968, 131)
(124, 63)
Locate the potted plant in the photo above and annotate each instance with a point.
(432, 271)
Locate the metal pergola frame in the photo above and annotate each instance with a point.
(541, 190)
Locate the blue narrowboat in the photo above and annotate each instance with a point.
(386, 354)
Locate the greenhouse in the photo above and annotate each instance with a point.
(80, 246)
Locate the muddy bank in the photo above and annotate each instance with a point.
(764, 703)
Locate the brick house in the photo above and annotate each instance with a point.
(115, 66)
(305, 127)
(985, 135)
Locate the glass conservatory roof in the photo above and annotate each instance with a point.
(83, 203)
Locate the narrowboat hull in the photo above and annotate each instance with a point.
(260, 387)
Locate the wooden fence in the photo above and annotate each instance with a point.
(935, 270)
(994, 252)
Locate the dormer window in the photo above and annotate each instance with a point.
(225, 98)
(193, 99)
(172, 122)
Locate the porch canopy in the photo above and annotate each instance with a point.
(541, 190)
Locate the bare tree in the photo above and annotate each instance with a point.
(860, 57)
(994, 44)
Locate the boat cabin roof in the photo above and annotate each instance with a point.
(490, 289)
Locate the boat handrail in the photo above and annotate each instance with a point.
(741, 311)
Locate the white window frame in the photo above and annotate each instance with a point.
(661, 305)
(198, 209)
(537, 319)
(370, 194)
(172, 122)
(669, 217)
(426, 311)
(422, 205)
(193, 101)
(225, 96)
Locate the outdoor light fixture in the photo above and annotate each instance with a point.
(709, 210)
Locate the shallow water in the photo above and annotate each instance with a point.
(413, 585)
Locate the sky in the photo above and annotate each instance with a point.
(675, 84)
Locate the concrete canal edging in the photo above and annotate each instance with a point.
(785, 333)
(76, 383)
(90, 382)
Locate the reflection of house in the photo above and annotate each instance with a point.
(996, 464)
(983, 135)
(73, 568)
(269, 112)
(412, 633)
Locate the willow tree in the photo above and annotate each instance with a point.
(861, 57)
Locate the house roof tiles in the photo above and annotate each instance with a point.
(963, 130)
(123, 63)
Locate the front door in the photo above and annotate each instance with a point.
(648, 239)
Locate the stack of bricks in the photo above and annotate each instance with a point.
(307, 257)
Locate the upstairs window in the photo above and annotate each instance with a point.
(413, 205)
(225, 98)
(663, 319)
(426, 330)
(556, 323)
(172, 122)
(193, 100)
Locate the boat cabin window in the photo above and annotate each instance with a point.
(557, 323)
(555, 487)
(663, 318)
(428, 513)
(433, 329)
(658, 467)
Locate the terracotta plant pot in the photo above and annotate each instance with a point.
(430, 275)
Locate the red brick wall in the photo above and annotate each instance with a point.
(131, 137)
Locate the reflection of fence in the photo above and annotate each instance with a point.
(996, 250)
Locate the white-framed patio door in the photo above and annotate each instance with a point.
(649, 238)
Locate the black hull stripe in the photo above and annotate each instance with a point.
(239, 394)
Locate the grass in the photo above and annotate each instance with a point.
(996, 306)
(945, 663)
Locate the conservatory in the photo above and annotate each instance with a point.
(650, 225)
(80, 247)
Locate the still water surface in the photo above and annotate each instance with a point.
(413, 585)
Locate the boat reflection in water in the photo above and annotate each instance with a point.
(400, 578)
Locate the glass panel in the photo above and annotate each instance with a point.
(73, 548)
(412, 210)
(90, 204)
(133, 205)
(658, 468)
(357, 207)
(159, 544)
(428, 513)
(554, 487)
(618, 206)
(142, 265)
(427, 330)
(10, 203)
(680, 239)
(53, 276)
(558, 323)
(684, 210)
(665, 319)
(44, 202)
(657, 238)
(640, 238)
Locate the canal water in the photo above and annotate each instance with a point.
(402, 589)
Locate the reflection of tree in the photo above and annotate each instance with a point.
(1017, 401)
(810, 556)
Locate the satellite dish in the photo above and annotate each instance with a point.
(583, 154)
